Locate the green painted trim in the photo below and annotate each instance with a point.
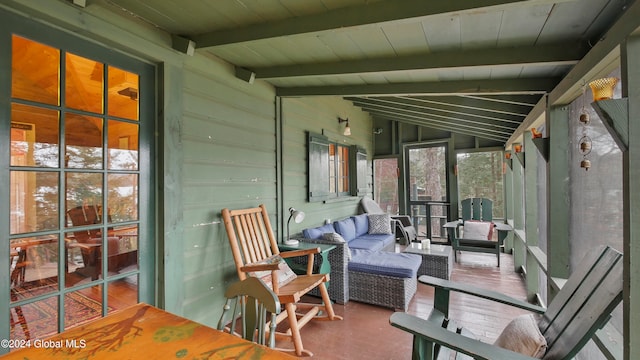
(559, 206)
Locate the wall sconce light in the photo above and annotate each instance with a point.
(517, 148)
(297, 216)
(347, 129)
(377, 131)
(602, 89)
(507, 155)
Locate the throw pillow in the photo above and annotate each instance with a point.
(335, 237)
(379, 224)
(522, 335)
(285, 274)
(478, 230)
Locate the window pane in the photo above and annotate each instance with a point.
(34, 201)
(33, 266)
(385, 184)
(122, 247)
(34, 136)
(332, 169)
(122, 197)
(82, 305)
(84, 84)
(123, 146)
(28, 314)
(480, 176)
(123, 93)
(35, 71)
(83, 142)
(83, 189)
(343, 171)
(125, 290)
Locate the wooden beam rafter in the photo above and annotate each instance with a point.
(559, 54)
(374, 13)
(524, 86)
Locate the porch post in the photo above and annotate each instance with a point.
(630, 59)
(531, 214)
(559, 207)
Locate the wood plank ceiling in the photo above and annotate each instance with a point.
(474, 67)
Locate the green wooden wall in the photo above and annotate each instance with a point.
(222, 143)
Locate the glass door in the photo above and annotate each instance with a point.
(427, 189)
(77, 202)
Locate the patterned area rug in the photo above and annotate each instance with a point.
(40, 319)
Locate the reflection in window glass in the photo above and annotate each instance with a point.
(33, 266)
(123, 146)
(83, 189)
(82, 305)
(28, 314)
(122, 197)
(126, 291)
(123, 249)
(34, 201)
(84, 84)
(123, 93)
(34, 136)
(42, 86)
(83, 142)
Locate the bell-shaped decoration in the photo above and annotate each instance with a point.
(584, 118)
(585, 164)
(602, 89)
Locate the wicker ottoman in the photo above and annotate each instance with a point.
(383, 278)
(436, 261)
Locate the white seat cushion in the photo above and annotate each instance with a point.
(522, 335)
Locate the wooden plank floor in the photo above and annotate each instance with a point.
(365, 332)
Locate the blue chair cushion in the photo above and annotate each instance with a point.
(346, 228)
(362, 224)
(400, 265)
(372, 241)
(317, 232)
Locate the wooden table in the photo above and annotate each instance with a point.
(144, 332)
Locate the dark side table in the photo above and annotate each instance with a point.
(300, 267)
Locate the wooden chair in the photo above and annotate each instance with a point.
(582, 306)
(252, 242)
(480, 209)
(256, 305)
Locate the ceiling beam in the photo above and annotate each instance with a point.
(495, 87)
(560, 54)
(372, 107)
(483, 103)
(473, 133)
(408, 102)
(377, 12)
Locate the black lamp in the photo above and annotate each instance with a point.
(297, 216)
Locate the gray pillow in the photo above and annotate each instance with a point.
(379, 224)
(337, 238)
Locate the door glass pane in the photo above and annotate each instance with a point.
(385, 184)
(35, 71)
(33, 266)
(123, 146)
(480, 176)
(82, 306)
(83, 142)
(34, 201)
(44, 313)
(122, 197)
(83, 190)
(84, 84)
(427, 174)
(427, 189)
(125, 290)
(34, 136)
(122, 249)
(123, 94)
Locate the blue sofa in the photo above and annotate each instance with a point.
(365, 267)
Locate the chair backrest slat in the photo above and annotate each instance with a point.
(584, 303)
(477, 209)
